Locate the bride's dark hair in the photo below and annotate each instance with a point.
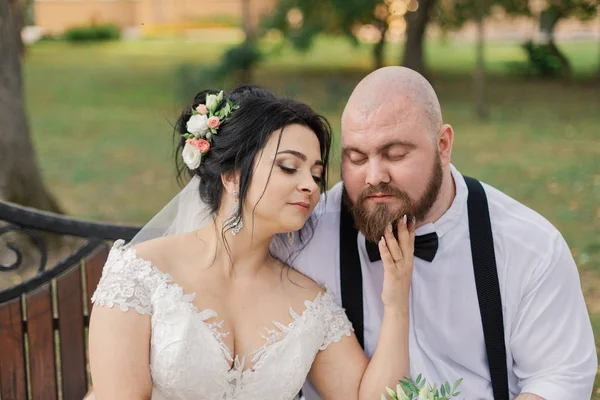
(243, 136)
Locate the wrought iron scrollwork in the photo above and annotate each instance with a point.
(32, 222)
(36, 239)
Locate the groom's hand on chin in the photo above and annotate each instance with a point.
(528, 396)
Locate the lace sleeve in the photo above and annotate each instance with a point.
(126, 281)
(337, 324)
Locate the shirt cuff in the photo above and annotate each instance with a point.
(549, 391)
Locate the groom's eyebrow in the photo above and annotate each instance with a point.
(383, 148)
(393, 143)
(299, 155)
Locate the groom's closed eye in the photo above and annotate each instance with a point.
(355, 157)
(396, 154)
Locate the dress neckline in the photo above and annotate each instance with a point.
(233, 364)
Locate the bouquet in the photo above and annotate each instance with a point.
(421, 390)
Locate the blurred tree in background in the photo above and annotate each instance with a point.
(408, 19)
(20, 178)
(406, 22)
(553, 13)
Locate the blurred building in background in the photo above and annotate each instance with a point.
(56, 16)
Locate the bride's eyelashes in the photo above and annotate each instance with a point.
(292, 171)
(288, 170)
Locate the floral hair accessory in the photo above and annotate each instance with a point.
(202, 127)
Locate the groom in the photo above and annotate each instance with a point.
(495, 297)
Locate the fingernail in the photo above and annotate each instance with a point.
(404, 219)
(382, 240)
(389, 228)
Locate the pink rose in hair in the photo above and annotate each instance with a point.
(213, 122)
(201, 109)
(200, 144)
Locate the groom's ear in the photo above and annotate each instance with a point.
(231, 181)
(445, 140)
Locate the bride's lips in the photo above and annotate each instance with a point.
(303, 206)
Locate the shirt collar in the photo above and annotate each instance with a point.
(454, 214)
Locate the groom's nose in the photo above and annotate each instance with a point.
(377, 173)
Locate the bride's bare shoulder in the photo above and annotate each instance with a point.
(302, 284)
(161, 251)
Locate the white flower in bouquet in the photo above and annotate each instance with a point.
(399, 394)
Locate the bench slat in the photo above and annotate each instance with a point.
(93, 271)
(40, 331)
(12, 361)
(71, 331)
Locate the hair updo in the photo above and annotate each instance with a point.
(244, 134)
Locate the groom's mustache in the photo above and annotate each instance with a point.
(385, 189)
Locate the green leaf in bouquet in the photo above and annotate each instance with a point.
(447, 386)
(457, 384)
(419, 378)
(443, 390)
(409, 387)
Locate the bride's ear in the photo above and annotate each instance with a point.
(231, 181)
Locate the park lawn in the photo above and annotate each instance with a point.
(101, 118)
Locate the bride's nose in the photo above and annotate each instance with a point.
(308, 184)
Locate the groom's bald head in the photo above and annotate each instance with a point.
(393, 93)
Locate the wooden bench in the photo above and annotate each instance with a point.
(44, 320)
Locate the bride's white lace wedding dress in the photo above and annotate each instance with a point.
(189, 359)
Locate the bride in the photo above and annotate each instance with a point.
(199, 307)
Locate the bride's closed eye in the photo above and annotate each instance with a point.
(292, 171)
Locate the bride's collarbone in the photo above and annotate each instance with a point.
(250, 313)
(247, 309)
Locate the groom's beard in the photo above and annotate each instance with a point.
(373, 221)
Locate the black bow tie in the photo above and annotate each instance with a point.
(425, 247)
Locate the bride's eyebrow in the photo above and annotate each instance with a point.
(299, 155)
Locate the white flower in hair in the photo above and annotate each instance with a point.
(213, 101)
(191, 156)
(197, 125)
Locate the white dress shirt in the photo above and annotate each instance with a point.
(550, 346)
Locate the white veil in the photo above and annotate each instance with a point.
(186, 212)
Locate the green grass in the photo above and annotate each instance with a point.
(101, 120)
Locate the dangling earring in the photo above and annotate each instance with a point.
(234, 221)
(291, 238)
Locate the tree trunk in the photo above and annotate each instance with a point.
(479, 78)
(379, 48)
(416, 25)
(548, 20)
(20, 179)
(29, 18)
(246, 73)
